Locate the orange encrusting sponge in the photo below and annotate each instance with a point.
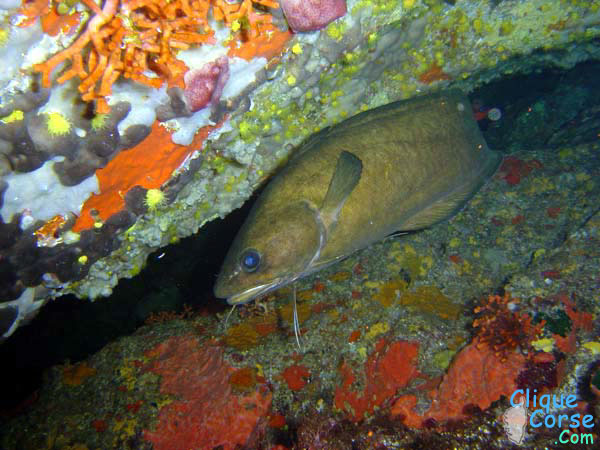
(149, 164)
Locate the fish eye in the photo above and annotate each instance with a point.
(250, 260)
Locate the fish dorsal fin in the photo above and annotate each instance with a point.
(346, 176)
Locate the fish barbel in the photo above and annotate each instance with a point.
(400, 167)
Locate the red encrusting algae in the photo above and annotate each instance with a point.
(477, 376)
(483, 371)
(296, 376)
(580, 320)
(205, 413)
(277, 420)
(513, 169)
(390, 367)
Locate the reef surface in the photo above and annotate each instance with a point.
(414, 342)
(132, 135)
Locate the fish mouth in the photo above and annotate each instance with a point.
(262, 289)
(256, 291)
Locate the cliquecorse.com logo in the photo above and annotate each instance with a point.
(516, 418)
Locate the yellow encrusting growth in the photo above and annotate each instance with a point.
(4, 34)
(14, 116)
(99, 121)
(57, 124)
(593, 347)
(155, 198)
(377, 329)
(544, 345)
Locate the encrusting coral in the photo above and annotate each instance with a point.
(133, 38)
(477, 377)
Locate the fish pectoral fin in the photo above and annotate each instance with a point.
(346, 176)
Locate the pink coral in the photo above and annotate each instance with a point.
(311, 15)
(204, 86)
(205, 406)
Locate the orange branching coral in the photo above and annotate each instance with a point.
(133, 38)
(502, 329)
(434, 73)
(168, 316)
(31, 10)
(256, 33)
(51, 20)
(142, 37)
(75, 375)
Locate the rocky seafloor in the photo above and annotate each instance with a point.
(417, 341)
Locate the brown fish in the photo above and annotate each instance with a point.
(399, 167)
